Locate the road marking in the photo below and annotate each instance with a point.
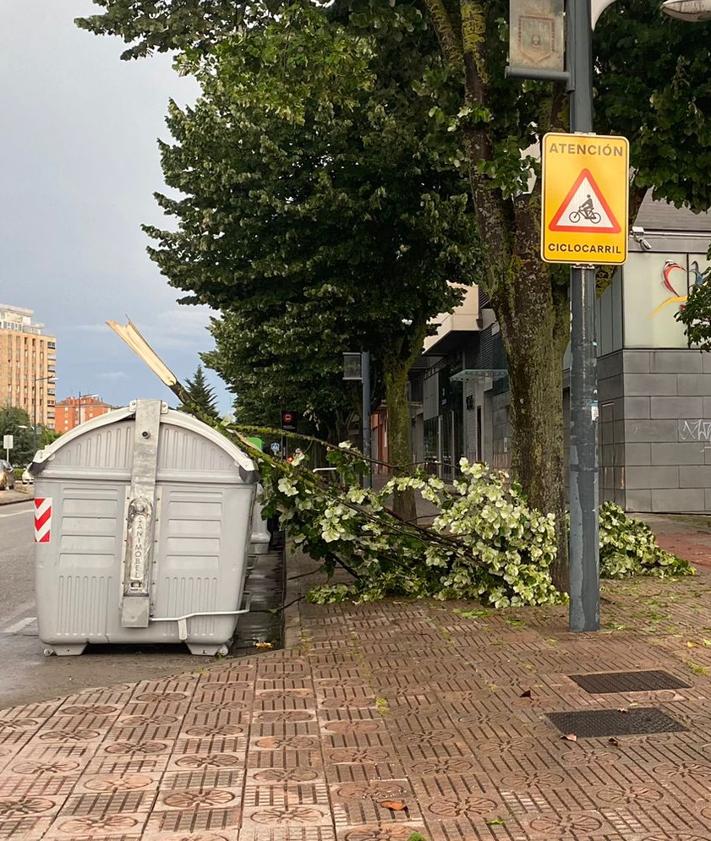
(20, 610)
(18, 626)
(18, 513)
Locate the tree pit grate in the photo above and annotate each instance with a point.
(651, 680)
(596, 723)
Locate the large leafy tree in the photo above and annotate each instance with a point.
(652, 84)
(168, 25)
(315, 215)
(286, 357)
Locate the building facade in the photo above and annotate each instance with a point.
(72, 411)
(459, 391)
(654, 392)
(28, 360)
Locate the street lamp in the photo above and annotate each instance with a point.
(692, 11)
(584, 559)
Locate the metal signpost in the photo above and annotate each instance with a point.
(8, 443)
(584, 223)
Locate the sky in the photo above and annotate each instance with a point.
(80, 164)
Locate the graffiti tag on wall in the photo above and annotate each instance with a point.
(695, 430)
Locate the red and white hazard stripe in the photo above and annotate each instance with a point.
(43, 519)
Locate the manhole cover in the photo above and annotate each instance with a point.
(647, 681)
(592, 723)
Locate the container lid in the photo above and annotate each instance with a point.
(171, 417)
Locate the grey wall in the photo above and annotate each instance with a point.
(667, 430)
(608, 316)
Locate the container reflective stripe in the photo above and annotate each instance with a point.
(43, 519)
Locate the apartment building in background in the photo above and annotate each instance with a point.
(28, 360)
(72, 411)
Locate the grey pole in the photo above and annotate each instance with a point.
(365, 380)
(584, 541)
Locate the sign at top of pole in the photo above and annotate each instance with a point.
(585, 199)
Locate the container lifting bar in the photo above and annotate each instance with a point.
(183, 620)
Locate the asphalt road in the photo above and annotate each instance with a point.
(26, 674)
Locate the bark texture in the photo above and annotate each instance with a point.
(396, 369)
(399, 452)
(535, 329)
(529, 297)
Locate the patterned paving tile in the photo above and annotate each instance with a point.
(24, 828)
(379, 832)
(395, 701)
(285, 833)
(97, 828)
(373, 802)
(192, 821)
(297, 816)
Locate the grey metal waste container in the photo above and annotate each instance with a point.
(142, 523)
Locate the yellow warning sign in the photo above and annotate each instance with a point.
(585, 195)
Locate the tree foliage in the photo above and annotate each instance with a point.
(653, 87)
(314, 214)
(695, 315)
(16, 422)
(485, 542)
(276, 361)
(202, 395)
(167, 25)
(628, 547)
(652, 84)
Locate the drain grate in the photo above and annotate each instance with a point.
(647, 681)
(634, 722)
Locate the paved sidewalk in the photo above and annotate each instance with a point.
(378, 707)
(13, 497)
(687, 535)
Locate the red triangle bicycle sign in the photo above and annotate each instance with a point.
(584, 210)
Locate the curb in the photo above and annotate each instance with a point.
(15, 502)
(292, 594)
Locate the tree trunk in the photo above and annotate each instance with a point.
(399, 453)
(533, 310)
(529, 299)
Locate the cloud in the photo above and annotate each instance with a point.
(85, 163)
(86, 328)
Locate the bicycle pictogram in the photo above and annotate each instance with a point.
(585, 211)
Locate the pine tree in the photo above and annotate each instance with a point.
(202, 394)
